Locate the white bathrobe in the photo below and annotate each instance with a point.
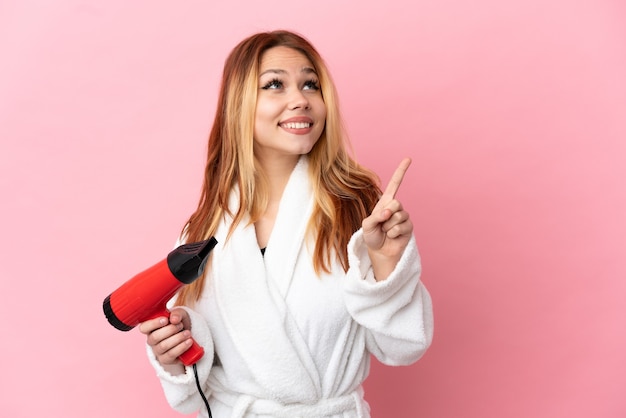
(282, 342)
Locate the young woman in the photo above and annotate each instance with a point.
(315, 268)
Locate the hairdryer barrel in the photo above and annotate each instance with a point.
(145, 296)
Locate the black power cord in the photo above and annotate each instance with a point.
(206, 402)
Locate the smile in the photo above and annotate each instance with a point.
(296, 125)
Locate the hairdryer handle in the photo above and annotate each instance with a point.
(193, 353)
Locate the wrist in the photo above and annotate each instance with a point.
(174, 369)
(382, 265)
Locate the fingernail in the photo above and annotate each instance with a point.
(162, 321)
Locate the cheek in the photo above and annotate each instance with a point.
(322, 112)
(265, 109)
(263, 122)
(322, 107)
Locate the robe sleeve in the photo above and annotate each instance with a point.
(181, 391)
(397, 312)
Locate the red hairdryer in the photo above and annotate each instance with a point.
(145, 296)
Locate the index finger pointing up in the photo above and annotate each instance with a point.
(396, 178)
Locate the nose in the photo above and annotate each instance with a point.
(298, 100)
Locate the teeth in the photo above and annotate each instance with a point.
(296, 125)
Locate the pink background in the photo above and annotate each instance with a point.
(513, 111)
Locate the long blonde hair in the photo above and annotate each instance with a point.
(345, 192)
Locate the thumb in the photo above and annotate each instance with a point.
(178, 315)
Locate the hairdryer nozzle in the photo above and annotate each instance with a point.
(187, 262)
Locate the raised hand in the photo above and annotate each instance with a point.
(388, 229)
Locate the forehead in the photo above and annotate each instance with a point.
(284, 58)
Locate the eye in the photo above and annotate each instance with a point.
(311, 85)
(273, 84)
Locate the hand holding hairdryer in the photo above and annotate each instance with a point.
(145, 296)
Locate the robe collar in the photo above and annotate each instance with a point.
(251, 291)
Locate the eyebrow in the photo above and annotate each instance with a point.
(307, 70)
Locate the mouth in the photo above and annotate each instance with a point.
(295, 125)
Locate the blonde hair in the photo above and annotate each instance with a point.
(345, 192)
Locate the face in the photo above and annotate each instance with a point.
(290, 112)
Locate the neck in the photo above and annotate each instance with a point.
(278, 172)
